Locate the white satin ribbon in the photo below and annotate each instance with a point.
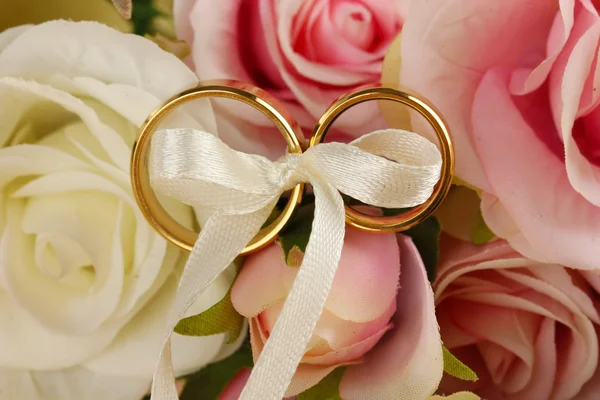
(388, 168)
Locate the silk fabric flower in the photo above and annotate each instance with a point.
(378, 320)
(517, 80)
(85, 283)
(306, 53)
(526, 328)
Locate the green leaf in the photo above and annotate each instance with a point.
(481, 233)
(294, 237)
(426, 237)
(210, 381)
(142, 15)
(454, 367)
(220, 318)
(327, 389)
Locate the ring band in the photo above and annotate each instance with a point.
(151, 208)
(420, 213)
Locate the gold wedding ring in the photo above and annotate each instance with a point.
(185, 238)
(417, 214)
(151, 208)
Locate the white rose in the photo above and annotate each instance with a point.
(85, 282)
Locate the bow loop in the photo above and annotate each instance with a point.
(389, 168)
(198, 169)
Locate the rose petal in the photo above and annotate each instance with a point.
(407, 363)
(181, 16)
(527, 79)
(540, 298)
(133, 352)
(568, 81)
(372, 260)
(90, 49)
(528, 192)
(591, 389)
(308, 69)
(377, 269)
(565, 288)
(446, 49)
(341, 333)
(116, 149)
(266, 270)
(82, 301)
(513, 330)
(135, 104)
(314, 98)
(26, 344)
(348, 354)
(540, 386)
(234, 388)
(80, 383)
(10, 34)
(30, 159)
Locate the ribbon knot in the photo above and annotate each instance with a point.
(388, 168)
(289, 171)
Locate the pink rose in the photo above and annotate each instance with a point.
(234, 388)
(388, 337)
(517, 81)
(307, 53)
(526, 328)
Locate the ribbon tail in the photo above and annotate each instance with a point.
(220, 242)
(287, 342)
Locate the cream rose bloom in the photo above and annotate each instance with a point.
(85, 283)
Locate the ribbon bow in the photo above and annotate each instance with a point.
(387, 168)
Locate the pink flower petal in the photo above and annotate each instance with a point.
(572, 87)
(341, 333)
(406, 363)
(182, 21)
(266, 321)
(366, 281)
(234, 388)
(367, 259)
(527, 79)
(257, 338)
(348, 354)
(264, 280)
(520, 321)
(312, 72)
(526, 192)
(513, 330)
(540, 383)
(591, 389)
(447, 46)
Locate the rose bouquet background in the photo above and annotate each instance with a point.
(495, 296)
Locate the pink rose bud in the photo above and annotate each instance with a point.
(364, 306)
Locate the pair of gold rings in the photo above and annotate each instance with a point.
(184, 238)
